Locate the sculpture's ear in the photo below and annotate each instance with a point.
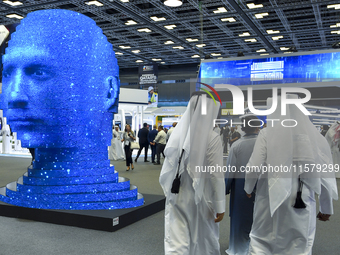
(111, 100)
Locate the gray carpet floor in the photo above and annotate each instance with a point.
(22, 237)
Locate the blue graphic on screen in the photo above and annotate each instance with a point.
(60, 90)
(324, 67)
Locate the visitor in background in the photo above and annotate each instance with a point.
(241, 207)
(151, 137)
(143, 142)
(160, 140)
(128, 138)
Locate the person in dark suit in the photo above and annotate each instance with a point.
(152, 135)
(143, 142)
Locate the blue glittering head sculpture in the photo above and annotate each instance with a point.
(60, 90)
(60, 81)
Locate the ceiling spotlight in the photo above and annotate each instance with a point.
(12, 3)
(261, 50)
(250, 40)
(173, 3)
(261, 15)
(119, 53)
(96, 3)
(244, 34)
(336, 45)
(178, 47)
(139, 61)
(146, 30)
(216, 54)
(220, 10)
(196, 56)
(253, 5)
(135, 51)
(240, 54)
(169, 42)
(275, 38)
(14, 16)
(155, 18)
(293, 49)
(271, 31)
(170, 27)
(192, 40)
(130, 22)
(200, 45)
(228, 19)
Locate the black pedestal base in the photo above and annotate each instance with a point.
(105, 220)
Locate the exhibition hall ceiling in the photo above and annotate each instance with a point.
(148, 31)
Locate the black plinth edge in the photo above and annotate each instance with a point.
(105, 220)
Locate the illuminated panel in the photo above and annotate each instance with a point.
(59, 93)
(322, 67)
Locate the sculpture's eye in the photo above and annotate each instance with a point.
(42, 73)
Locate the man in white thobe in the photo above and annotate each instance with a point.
(192, 215)
(116, 150)
(279, 228)
(333, 139)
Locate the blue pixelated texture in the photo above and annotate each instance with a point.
(60, 91)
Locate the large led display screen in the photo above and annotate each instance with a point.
(316, 67)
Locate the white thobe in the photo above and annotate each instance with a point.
(290, 230)
(116, 150)
(334, 148)
(189, 227)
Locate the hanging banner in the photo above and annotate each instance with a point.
(148, 74)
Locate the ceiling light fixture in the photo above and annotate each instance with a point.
(169, 42)
(264, 54)
(261, 15)
(96, 3)
(146, 30)
(273, 31)
(275, 38)
(130, 22)
(254, 6)
(170, 27)
(261, 50)
(216, 54)
(244, 34)
(178, 47)
(250, 40)
(119, 53)
(228, 19)
(335, 6)
(173, 3)
(200, 45)
(124, 47)
(220, 58)
(191, 40)
(135, 51)
(163, 63)
(12, 3)
(139, 61)
(196, 56)
(336, 25)
(14, 16)
(124, 1)
(221, 10)
(154, 18)
(284, 48)
(335, 32)
(156, 59)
